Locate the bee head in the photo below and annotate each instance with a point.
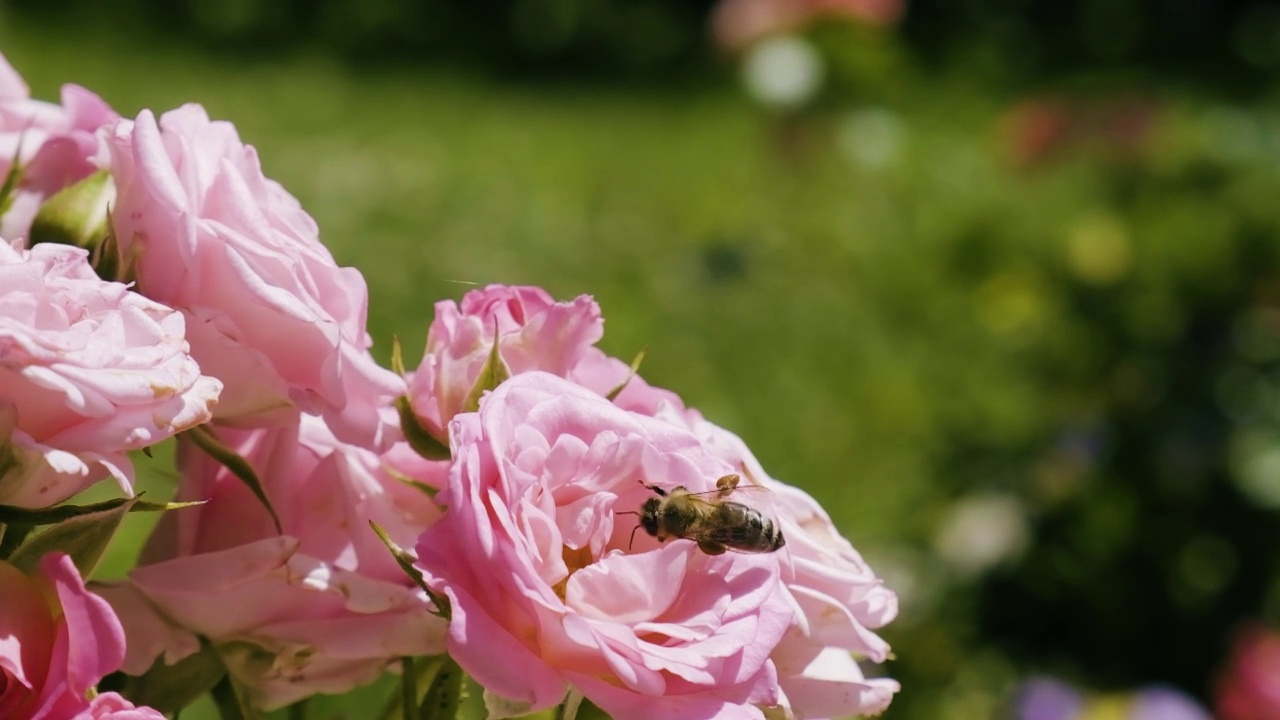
(649, 515)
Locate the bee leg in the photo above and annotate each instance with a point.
(711, 547)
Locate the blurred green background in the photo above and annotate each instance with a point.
(997, 282)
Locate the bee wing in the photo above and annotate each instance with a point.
(740, 488)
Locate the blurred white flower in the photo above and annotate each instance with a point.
(783, 71)
(871, 137)
(982, 531)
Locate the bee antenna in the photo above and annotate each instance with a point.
(632, 541)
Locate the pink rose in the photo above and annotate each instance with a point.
(205, 232)
(534, 332)
(57, 640)
(1249, 687)
(89, 371)
(110, 706)
(323, 608)
(838, 598)
(56, 145)
(546, 587)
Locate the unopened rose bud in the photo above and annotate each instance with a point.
(78, 215)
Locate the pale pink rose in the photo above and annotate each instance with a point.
(88, 371)
(1249, 686)
(323, 608)
(839, 599)
(204, 231)
(57, 640)
(110, 706)
(55, 145)
(548, 591)
(533, 331)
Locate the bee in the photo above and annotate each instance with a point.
(715, 523)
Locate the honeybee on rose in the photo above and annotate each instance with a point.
(714, 522)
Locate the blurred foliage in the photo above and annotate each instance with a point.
(1024, 347)
(1217, 42)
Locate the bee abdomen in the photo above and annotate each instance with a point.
(746, 529)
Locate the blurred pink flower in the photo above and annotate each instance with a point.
(735, 24)
(55, 145)
(57, 640)
(541, 571)
(323, 608)
(90, 370)
(205, 232)
(1249, 687)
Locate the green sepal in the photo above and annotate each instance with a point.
(405, 561)
(397, 356)
(232, 701)
(444, 694)
(233, 461)
(635, 368)
(568, 710)
(12, 178)
(48, 516)
(422, 441)
(169, 688)
(491, 376)
(418, 485)
(77, 214)
(84, 537)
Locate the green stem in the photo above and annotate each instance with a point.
(408, 689)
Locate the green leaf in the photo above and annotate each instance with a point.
(169, 688)
(83, 537)
(635, 368)
(204, 438)
(444, 695)
(48, 516)
(491, 376)
(14, 535)
(422, 441)
(405, 561)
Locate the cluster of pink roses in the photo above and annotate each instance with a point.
(154, 283)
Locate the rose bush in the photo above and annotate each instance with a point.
(57, 640)
(322, 607)
(90, 370)
(52, 145)
(204, 231)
